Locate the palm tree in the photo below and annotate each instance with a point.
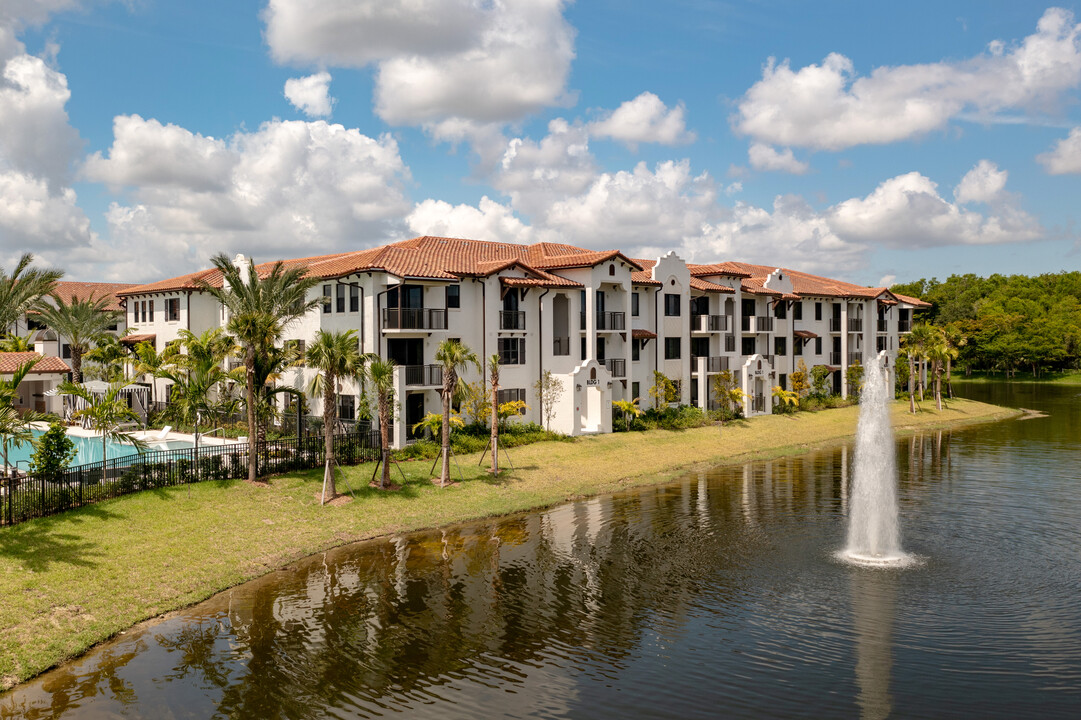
(629, 409)
(909, 353)
(111, 356)
(23, 288)
(493, 374)
(106, 413)
(380, 373)
(14, 426)
(260, 308)
(452, 355)
(956, 340)
(82, 322)
(16, 343)
(940, 352)
(269, 367)
(919, 340)
(148, 361)
(335, 355)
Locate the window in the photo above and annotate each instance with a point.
(611, 269)
(339, 305)
(144, 311)
(797, 310)
(672, 348)
(818, 346)
(326, 299)
(172, 309)
(582, 349)
(454, 296)
(780, 345)
(780, 310)
(354, 298)
(782, 380)
(66, 352)
(600, 349)
(818, 311)
(747, 346)
(512, 351)
(634, 304)
(510, 395)
(347, 407)
(636, 349)
(151, 311)
(671, 305)
(635, 387)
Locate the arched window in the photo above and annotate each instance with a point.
(611, 269)
(593, 373)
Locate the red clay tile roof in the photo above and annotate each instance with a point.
(912, 301)
(641, 334)
(721, 268)
(806, 334)
(806, 284)
(754, 286)
(67, 289)
(706, 286)
(136, 338)
(645, 275)
(10, 362)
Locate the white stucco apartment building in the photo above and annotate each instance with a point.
(600, 321)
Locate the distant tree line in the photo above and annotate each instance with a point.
(1007, 322)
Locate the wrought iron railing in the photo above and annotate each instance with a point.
(423, 375)
(835, 325)
(714, 363)
(512, 320)
(709, 323)
(855, 325)
(616, 366)
(561, 346)
(610, 320)
(904, 326)
(414, 319)
(835, 358)
(883, 325)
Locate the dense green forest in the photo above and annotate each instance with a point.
(1008, 322)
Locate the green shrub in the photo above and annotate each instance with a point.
(53, 452)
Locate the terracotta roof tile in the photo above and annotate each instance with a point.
(10, 362)
(805, 334)
(641, 334)
(912, 301)
(67, 289)
(721, 268)
(136, 338)
(706, 286)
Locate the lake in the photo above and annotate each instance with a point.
(717, 595)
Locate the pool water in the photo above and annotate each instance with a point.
(89, 450)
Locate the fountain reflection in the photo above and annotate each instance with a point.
(874, 597)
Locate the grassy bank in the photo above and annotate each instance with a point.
(72, 580)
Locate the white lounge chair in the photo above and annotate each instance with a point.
(164, 433)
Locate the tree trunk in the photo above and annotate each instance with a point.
(949, 378)
(495, 422)
(328, 432)
(384, 439)
(923, 376)
(76, 365)
(448, 387)
(938, 384)
(253, 458)
(911, 385)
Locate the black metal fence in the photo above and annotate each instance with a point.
(29, 497)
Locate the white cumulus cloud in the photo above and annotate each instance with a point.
(490, 220)
(983, 183)
(33, 217)
(829, 106)
(765, 157)
(1065, 157)
(645, 119)
(310, 94)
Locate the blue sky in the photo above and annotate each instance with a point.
(867, 141)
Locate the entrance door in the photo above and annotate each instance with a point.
(414, 413)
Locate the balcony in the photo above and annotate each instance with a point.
(709, 323)
(714, 363)
(835, 325)
(617, 367)
(855, 358)
(904, 326)
(757, 324)
(608, 320)
(561, 346)
(423, 375)
(729, 343)
(414, 319)
(511, 320)
(835, 358)
(883, 325)
(855, 325)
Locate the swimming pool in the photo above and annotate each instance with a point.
(89, 450)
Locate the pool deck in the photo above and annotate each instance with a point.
(151, 435)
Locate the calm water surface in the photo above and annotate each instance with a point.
(717, 596)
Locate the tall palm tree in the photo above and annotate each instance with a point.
(269, 367)
(335, 355)
(956, 340)
(14, 426)
(260, 307)
(919, 340)
(493, 378)
(111, 356)
(380, 373)
(16, 343)
(23, 288)
(148, 361)
(452, 355)
(106, 413)
(909, 353)
(940, 352)
(82, 322)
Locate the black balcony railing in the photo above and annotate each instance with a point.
(423, 376)
(904, 326)
(609, 320)
(414, 319)
(561, 346)
(714, 363)
(835, 324)
(729, 343)
(616, 366)
(855, 358)
(709, 323)
(511, 320)
(883, 325)
(763, 323)
(855, 324)
(835, 358)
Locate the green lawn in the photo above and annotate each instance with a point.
(73, 580)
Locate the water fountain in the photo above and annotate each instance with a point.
(874, 537)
